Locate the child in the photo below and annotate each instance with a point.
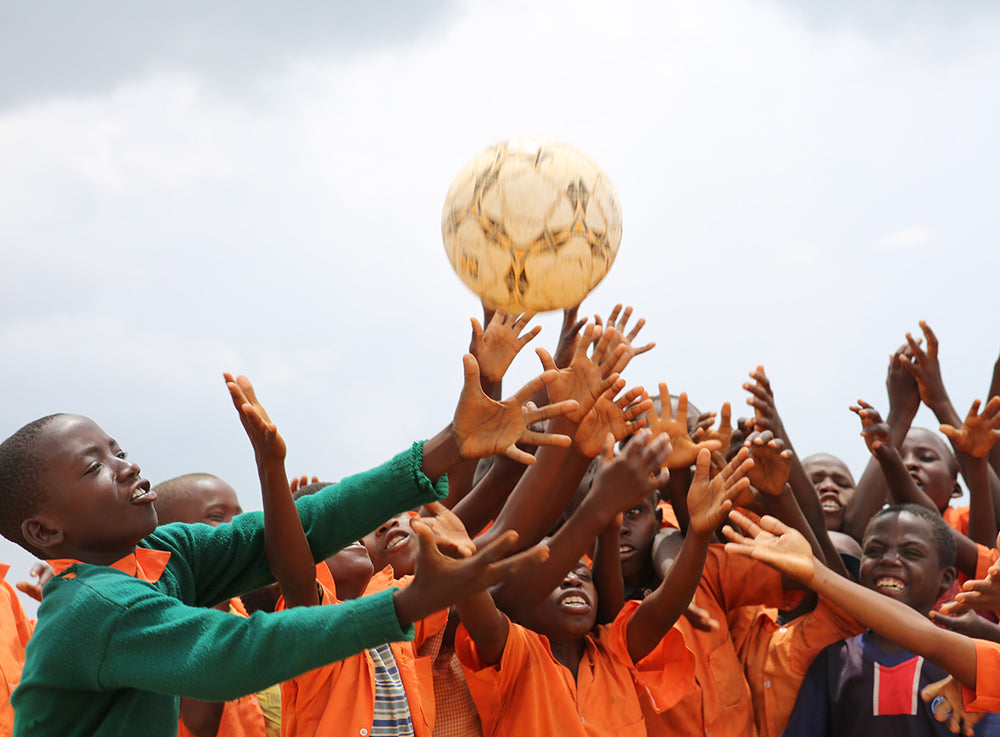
(122, 629)
(552, 674)
(201, 498)
(870, 683)
(15, 631)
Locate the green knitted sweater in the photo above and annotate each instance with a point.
(111, 653)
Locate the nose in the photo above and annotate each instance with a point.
(386, 527)
(571, 581)
(126, 469)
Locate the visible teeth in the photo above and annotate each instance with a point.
(574, 600)
(623, 548)
(396, 542)
(138, 492)
(892, 584)
(830, 506)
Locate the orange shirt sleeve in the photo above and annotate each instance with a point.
(986, 697)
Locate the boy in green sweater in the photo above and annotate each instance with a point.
(122, 630)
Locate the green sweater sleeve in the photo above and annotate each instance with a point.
(216, 563)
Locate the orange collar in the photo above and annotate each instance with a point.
(145, 564)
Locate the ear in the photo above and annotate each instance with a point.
(948, 576)
(658, 513)
(956, 491)
(40, 535)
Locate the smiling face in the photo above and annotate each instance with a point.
(569, 612)
(931, 465)
(834, 485)
(900, 559)
(393, 543)
(97, 506)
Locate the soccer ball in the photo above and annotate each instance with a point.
(531, 225)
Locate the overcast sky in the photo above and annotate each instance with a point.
(189, 190)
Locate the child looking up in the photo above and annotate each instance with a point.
(128, 601)
(869, 684)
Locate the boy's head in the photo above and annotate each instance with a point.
(635, 548)
(569, 612)
(394, 544)
(908, 553)
(196, 497)
(932, 466)
(834, 484)
(68, 491)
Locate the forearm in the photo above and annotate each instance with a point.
(288, 553)
(670, 600)
(982, 512)
(440, 454)
(899, 623)
(871, 494)
(608, 574)
(570, 543)
(484, 502)
(786, 508)
(486, 625)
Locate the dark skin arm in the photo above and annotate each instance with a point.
(494, 349)
(925, 367)
(902, 488)
(768, 540)
(708, 503)
(483, 427)
(995, 392)
(608, 572)
(872, 489)
(622, 482)
(973, 442)
(285, 543)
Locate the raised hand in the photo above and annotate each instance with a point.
(904, 394)
(765, 413)
(42, 573)
(770, 541)
(616, 417)
(926, 369)
(979, 432)
(624, 479)
(685, 450)
(724, 433)
(268, 445)
(949, 706)
(873, 429)
(966, 623)
(297, 483)
(982, 594)
(483, 427)
(440, 581)
(450, 535)
(568, 336)
(709, 500)
(584, 379)
(497, 345)
(615, 330)
(771, 462)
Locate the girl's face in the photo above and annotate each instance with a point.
(569, 612)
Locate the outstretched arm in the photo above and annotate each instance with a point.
(973, 442)
(902, 488)
(484, 427)
(708, 503)
(285, 543)
(769, 541)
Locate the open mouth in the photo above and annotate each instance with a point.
(625, 548)
(395, 539)
(889, 584)
(830, 502)
(917, 480)
(142, 494)
(574, 602)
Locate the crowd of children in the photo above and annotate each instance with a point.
(578, 559)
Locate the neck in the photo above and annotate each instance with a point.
(569, 653)
(93, 557)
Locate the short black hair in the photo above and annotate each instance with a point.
(941, 532)
(310, 489)
(21, 496)
(170, 491)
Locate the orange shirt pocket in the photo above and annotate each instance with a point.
(727, 675)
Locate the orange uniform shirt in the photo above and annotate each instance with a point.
(243, 717)
(986, 697)
(529, 692)
(719, 703)
(958, 518)
(339, 698)
(15, 629)
(775, 656)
